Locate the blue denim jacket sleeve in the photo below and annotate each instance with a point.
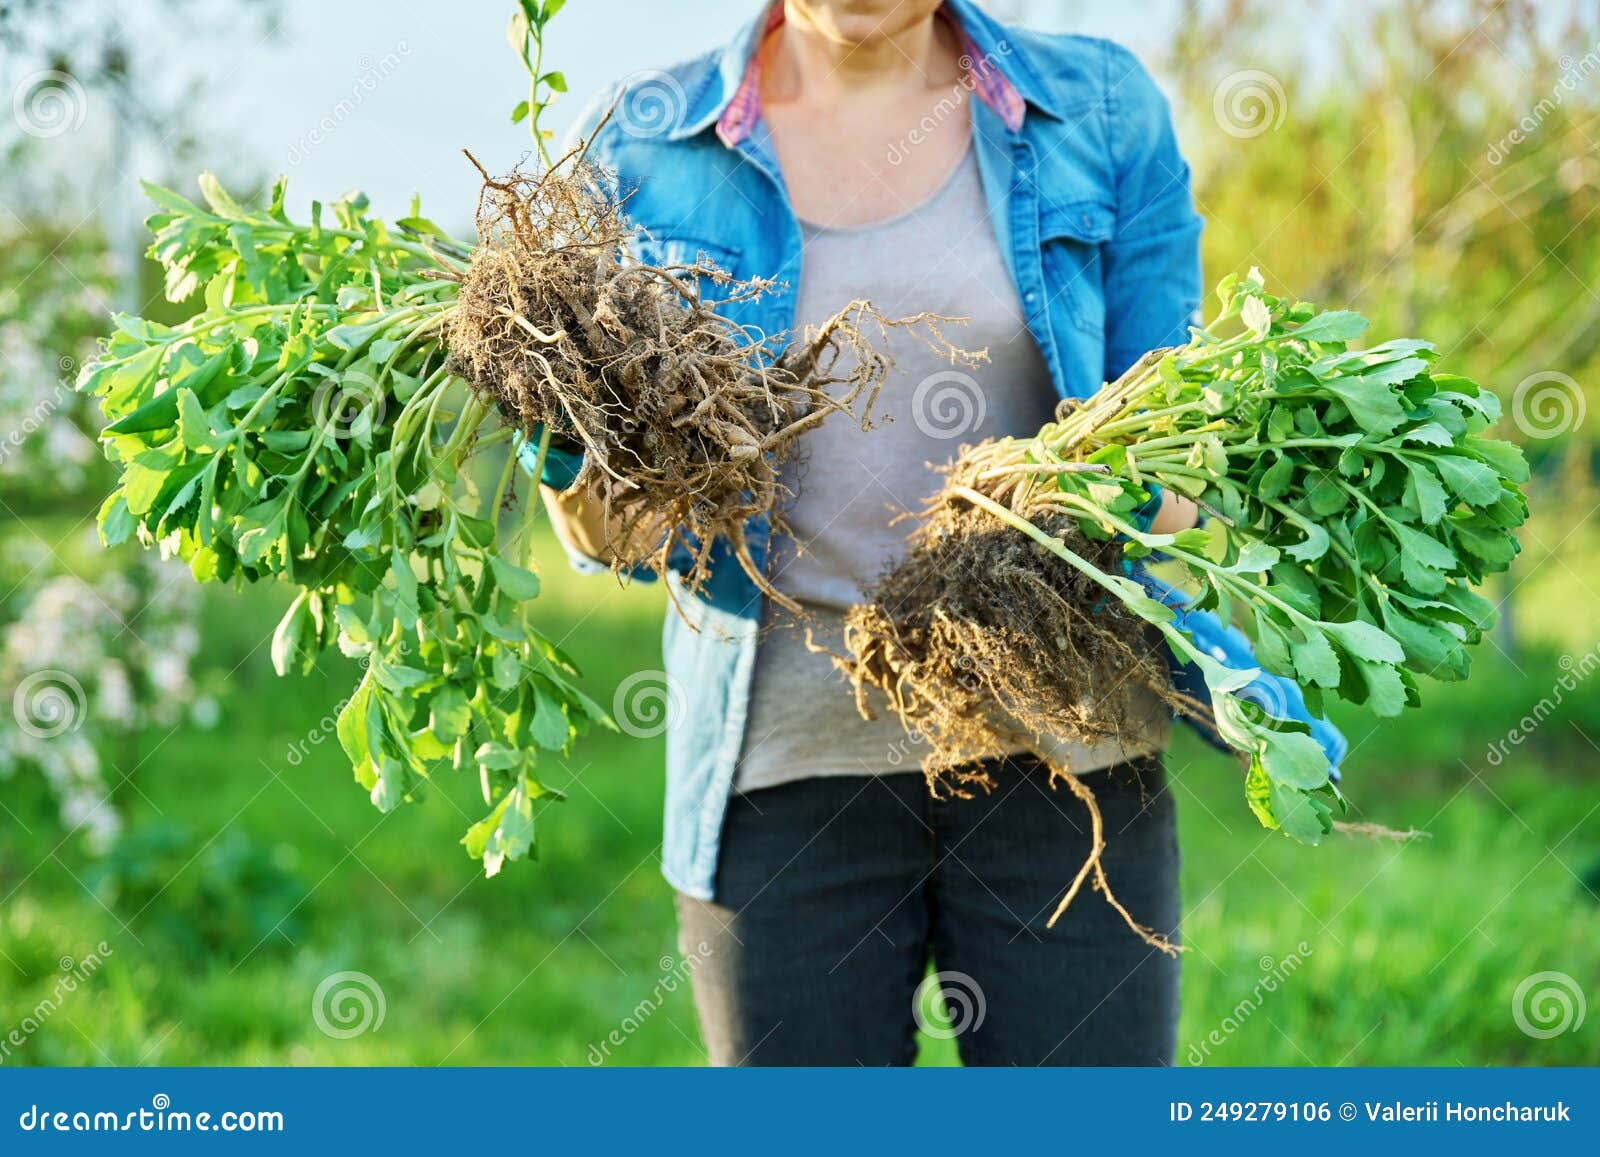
(1152, 262)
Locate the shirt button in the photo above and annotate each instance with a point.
(1030, 297)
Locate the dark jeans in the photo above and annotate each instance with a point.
(833, 893)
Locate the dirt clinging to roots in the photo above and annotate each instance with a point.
(982, 641)
(683, 416)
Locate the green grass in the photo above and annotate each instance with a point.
(264, 873)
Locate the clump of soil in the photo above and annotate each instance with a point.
(684, 417)
(982, 641)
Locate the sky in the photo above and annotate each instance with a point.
(383, 95)
(432, 78)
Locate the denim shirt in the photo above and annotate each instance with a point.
(1089, 198)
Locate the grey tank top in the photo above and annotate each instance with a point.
(848, 485)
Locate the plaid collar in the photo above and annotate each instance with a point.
(983, 77)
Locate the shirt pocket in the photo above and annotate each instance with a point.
(1071, 238)
(686, 254)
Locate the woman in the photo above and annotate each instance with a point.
(920, 155)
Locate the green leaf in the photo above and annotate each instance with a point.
(169, 200)
(1334, 325)
(1272, 643)
(1294, 759)
(405, 586)
(1424, 494)
(1475, 482)
(1373, 405)
(1315, 660)
(506, 833)
(1362, 640)
(1258, 794)
(393, 786)
(159, 413)
(505, 668)
(1326, 496)
(289, 644)
(1386, 691)
(449, 715)
(497, 756)
(217, 197)
(1495, 548)
(552, 729)
(351, 727)
(1506, 459)
(1275, 480)
(1423, 547)
(116, 522)
(193, 426)
(1297, 814)
(141, 484)
(519, 113)
(515, 581)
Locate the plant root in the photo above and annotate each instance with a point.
(1094, 867)
(978, 635)
(1363, 830)
(684, 417)
(982, 641)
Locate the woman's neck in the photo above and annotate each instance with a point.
(810, 58)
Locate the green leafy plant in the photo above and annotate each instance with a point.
(1356, 498)
(526, 36)
(302, 426)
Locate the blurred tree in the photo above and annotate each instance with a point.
(1435, 167)
(97, 45)
(1432, 163)
(95, 647)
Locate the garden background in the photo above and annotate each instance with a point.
(188, 875)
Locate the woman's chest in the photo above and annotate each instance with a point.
(852, 165)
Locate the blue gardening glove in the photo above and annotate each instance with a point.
(1145, 513)
(560, 466)
(1141, 517)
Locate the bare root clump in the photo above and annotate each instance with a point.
(982, 641)
(684, 416)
